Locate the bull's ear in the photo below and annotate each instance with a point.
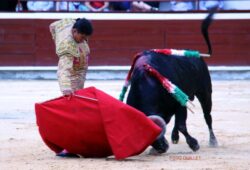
(160, 122)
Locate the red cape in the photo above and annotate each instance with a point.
(94, 128)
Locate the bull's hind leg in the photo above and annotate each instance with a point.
(181, 117)
(206, 104)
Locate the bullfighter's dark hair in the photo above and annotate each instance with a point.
(83, 26)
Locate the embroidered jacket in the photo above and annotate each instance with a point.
(73, 56)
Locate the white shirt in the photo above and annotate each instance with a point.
(40, 5)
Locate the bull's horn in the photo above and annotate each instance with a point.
(160, 122)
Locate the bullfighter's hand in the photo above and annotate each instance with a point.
(68, 92)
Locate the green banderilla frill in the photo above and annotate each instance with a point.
(190, 53)
(195, 54)
(123, 92)
(180, 96)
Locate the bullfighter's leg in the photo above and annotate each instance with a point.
(181, 117)
(206, 104)
(175, 133)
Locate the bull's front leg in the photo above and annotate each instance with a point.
(181, 117)
(175, 133)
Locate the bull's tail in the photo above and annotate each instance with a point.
(204, 28)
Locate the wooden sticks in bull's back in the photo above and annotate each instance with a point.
(183, 53)
(167, 52)
(175, 91)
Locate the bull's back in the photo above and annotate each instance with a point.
(190, 74)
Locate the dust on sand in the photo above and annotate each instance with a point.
(21, 146)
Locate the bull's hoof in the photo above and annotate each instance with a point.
(213, 142)
(161, 145)
(175, 137)
(193, 144)
(153, 151)
(175, 141)
(195, 147)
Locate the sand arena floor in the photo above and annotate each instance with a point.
(22, 148)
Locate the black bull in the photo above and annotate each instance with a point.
(191, 75)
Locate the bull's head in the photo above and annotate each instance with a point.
(160, 145)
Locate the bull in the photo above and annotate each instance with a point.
(190, 74)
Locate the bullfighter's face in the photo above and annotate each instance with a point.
(79, 37)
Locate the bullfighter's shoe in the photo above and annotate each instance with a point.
(66, 154)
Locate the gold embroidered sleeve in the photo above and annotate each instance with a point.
(67, 46)
(64, 73)
(52, 29)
